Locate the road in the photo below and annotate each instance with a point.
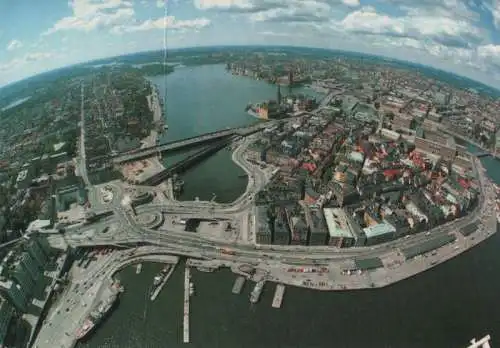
(82, 161)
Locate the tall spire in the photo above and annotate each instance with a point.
(278, 97)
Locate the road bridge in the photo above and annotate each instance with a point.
(184, 144)
(186, 163)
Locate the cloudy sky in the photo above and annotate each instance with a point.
(462, 36)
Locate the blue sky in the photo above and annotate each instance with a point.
(462, 36)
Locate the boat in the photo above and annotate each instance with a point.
(191, 289)
(99, 312)
(138, 268)
(165, 126)
(255, 295)
(159, 281)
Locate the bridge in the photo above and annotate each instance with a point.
(184, 144)
(186, 163)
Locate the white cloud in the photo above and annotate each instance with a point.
(92, 14)
(14, 45)
(222, 4)
(28, 58)
(295, 11)
(160, 3)
(169, 22)
(351, 3)
(444, 30)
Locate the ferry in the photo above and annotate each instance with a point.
(98, 313)
(158, 281)
(138, 268)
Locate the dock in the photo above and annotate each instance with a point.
(238, 285)
(278, 296)
(187, 278)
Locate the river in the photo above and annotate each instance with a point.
(443, 307)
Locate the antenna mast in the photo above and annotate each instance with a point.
(165, 56)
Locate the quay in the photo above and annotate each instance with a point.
(187, 277)
(204, 265)
(238, 285)
(278, 296)
(164, 280)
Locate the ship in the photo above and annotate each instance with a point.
(139, 268)
(99, 312)
(159, 281)
(191, 289)
(255, 294)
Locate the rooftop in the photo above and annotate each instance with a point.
(336, 220)
(379, 229)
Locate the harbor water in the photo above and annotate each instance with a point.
(443, 307)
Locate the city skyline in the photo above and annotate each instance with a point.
(457, 36)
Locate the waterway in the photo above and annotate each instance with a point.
(443, 307)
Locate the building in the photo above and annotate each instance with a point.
(31, 265)
(36, 252)
(281, 230)
(402, 122)
(263, 232)
(339, 228)
(318, 230)
(379, 233)
(448, 153)
(14, 294)
(22, 278)
(6, 315)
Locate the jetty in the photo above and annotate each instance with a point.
(238, 285)
(187, 278)
(278, 296)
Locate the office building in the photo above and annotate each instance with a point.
(20, 275)
(316, 224)
(6, 315)
(379, 233)
(339, 229)
(282, 234)
(36, 252)
(33, 268)
(263, 233)
(14, 294)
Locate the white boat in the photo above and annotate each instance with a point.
(138, 268)
(191, 289)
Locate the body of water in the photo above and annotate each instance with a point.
(443, 307)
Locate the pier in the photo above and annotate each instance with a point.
(278, 296)
(238, 285)
(187, 277)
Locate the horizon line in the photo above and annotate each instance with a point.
(380, 56)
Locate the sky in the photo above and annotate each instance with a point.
(461, 36)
